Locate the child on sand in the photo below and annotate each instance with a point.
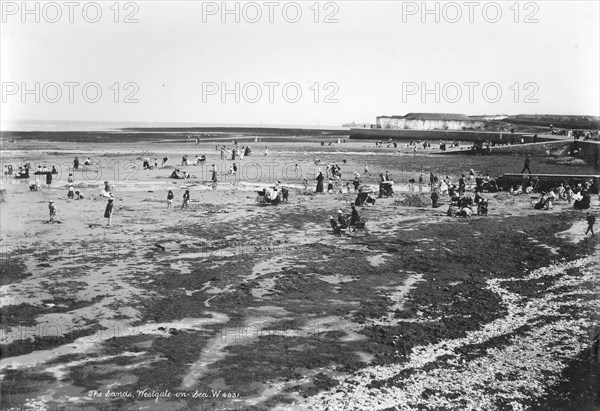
(170, 197)
(186, 200)
(52, 211)
(109, 211)
(569, 194)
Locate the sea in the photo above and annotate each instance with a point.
(63, 125)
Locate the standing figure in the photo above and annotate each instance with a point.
(108, 212)
(591, 220)
(214, 174)
(52, 211)
(526, 166)
(48, 178)
(320, 179)
(434, 199)
(461, 185)
(186, 200)
(170, 197)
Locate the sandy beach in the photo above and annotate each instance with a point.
(230, 304)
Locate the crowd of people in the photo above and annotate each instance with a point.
(579, 195)
(329, 179)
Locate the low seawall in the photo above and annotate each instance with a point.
(589, 151)
(384, 134)
(554, 147)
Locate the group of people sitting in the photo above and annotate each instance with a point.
(43, 170)
(273, 195)
(350, 221)
(23, 172)
(179, 174)
(463, 206)
(73, 194)
(87, 162)
(580, 195)
(365, 197)
(388, 143)
(197, 160)
(486, 183)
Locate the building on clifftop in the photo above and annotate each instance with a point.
(429, 121)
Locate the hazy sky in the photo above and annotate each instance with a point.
(189, 61)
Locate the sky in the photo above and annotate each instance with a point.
(295, 63)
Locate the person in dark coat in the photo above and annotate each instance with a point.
(52, 211)
(591, 220)
(434, 199)
(461, 185)
(109, 210)
(526, 166)
(355, 217)
(320, 179)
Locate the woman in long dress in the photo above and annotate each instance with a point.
(320, 179)
(109, 211)
(214, 174)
